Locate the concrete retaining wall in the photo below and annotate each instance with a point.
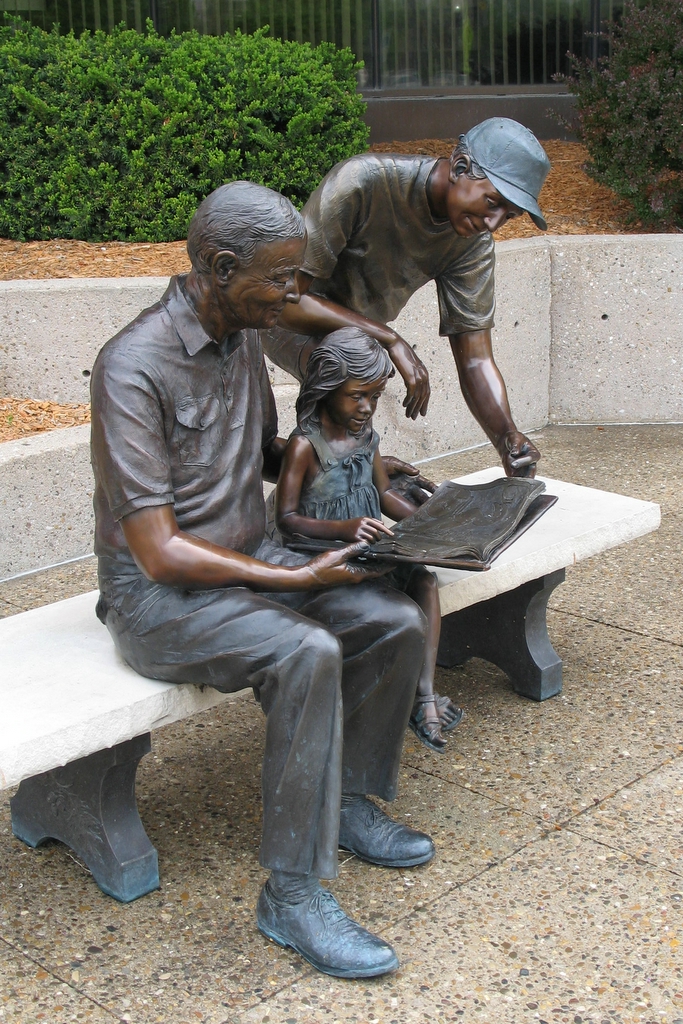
(589, 329)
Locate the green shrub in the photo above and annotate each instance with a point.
(630, 111)
(120, 136)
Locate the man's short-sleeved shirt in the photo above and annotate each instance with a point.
(179, 419)
(373, 241)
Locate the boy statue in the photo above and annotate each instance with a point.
(381, 225)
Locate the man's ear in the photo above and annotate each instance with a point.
(460, 164)
(225, 265)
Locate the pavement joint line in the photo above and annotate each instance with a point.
(62, 981)
(626, 785)
(631, 856)
(612, 625)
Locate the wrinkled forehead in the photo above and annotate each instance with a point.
(286, 252)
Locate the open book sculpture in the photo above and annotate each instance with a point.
(462, 526)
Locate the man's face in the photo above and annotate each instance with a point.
(475, 206)
(256, 294)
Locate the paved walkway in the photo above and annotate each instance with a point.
(557, 892)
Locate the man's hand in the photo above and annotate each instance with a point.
(331, 569)
(415, 376)
(407, 480)
(518, 455)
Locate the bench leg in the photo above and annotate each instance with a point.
(510, 631)
(89, 805)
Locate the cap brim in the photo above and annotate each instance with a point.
(520, 198)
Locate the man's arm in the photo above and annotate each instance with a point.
(165, 554)
(317, 316)
(483, 389)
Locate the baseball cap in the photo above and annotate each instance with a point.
(514, 162)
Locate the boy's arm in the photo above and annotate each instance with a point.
(318, 316)
(483, 389)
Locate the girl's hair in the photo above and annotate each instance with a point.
(345, 354)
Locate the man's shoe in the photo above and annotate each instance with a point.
(368, 832)
(319, 931)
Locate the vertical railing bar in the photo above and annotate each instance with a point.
(492, 50)
(531, 42)
(311, 22)
(506, 68)
(557, 37)
(346, 22)
(430, 45)
(478, 13)
(298, 21)
(442, 44)
(570, 12)
(376, 46)
(544, 13)
(406, 63)
(518, 30)
(360, 47)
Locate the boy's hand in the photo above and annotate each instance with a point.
(407, 480)
(364, 529)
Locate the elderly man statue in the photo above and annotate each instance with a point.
(184, 429)
(381, 225)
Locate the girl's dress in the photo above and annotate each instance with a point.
(344, 489)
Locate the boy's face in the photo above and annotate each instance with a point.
(354, 403)
(475, 206)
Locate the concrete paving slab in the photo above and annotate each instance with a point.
(193, 945)
(645, 819)
(565, 931)
(556, 758)
(472, 832)
(29, 993)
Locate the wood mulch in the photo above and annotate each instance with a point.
(20, 417)
(572, 202)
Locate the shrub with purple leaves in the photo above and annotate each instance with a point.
(630, 111)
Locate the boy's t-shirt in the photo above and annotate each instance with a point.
(373, 241)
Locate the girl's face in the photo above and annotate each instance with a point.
(354, 403)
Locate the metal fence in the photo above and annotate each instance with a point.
(404, 44)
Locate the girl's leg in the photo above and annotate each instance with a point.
(422, 588)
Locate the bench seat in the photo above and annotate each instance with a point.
(68, 699)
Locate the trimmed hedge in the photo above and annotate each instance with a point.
(121, 135)
(630, 111)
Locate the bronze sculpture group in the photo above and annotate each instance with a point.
(184, 431)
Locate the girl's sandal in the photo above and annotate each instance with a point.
(428, 733)
(449, 714)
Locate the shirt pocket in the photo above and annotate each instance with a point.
(199, 430)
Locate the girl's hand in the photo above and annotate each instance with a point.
(364, 529)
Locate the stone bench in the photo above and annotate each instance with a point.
(77, 720)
